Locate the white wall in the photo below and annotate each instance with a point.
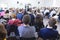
(43, 3)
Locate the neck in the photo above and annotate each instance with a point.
(49, 27)
(26, 24)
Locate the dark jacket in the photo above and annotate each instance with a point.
(12, 28)
(32, 19)
(47, 33)
(38, 26)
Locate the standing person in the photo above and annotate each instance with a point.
(39, 22)
(26, 31)
(3, 32)
(49, 33)
(20, 15)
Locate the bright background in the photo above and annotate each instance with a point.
(22, 3)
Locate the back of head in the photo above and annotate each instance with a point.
(52, 22)
(26, 19)
(20, 10)
(2, 17)
(7, 11)
(3, 32)
(39, 18)
(13, 15)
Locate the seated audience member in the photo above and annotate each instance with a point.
(49, 32)
(14, 20)
(54, 21)
(3, 32)
(26, 31)
(7, 16)
(39, 22)
(19, 15)
(12, 30)
(13, 25)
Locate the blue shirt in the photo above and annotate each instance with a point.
(48, 33)
(19, 16)
(26, 31)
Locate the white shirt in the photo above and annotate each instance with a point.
(49, 27)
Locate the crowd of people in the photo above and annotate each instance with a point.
(28, 24)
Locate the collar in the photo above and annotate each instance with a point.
(49, 27)
(13, 19)
(26, 25)
(20, 12)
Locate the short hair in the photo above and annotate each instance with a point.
(13, 15)
(7, 11)
(3, 31)
(52, 22)
(20, 10)
(39, 18)
(26, 19)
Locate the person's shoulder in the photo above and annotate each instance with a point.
(43, 28)
(55, 30)
(32, 26)
(20, 26)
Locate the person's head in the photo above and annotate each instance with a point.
(2, 17)
(21, 10)
(26, 19)
(39, 18)
(7, 11)
(3, 32)
(52, 22)
(13, 15)
(29, 9)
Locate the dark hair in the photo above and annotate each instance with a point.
(39, 18)
(20, 10)
(7, 11)
(26, 19)
(2, 17)
(29, 9)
